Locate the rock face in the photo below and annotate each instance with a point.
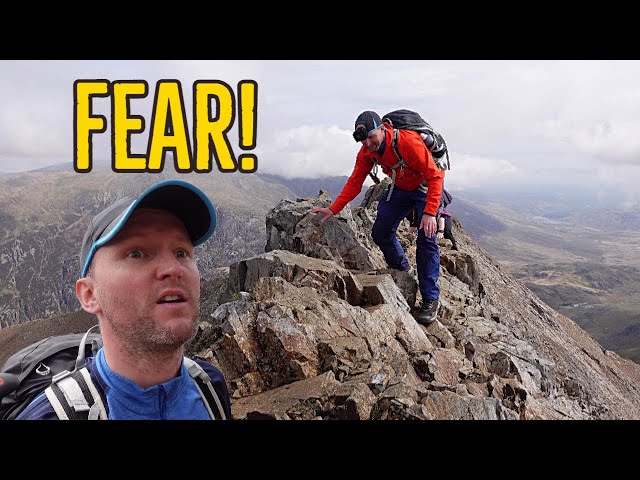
(319, 328)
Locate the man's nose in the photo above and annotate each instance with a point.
(169, 266)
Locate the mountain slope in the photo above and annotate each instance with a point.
(316, 328)
(44, 214)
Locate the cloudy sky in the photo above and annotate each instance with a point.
(507, 122)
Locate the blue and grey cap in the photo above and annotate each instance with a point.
(186, 201)
(370, 119)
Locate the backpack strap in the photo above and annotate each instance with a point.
(374, 172)
(401, 163)
(73, 396)
(208, 393)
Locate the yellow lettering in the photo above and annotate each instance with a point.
(85, 123)
(214, 112)
(248, 113)
(169, 128)
(211, 132)
(123, 124)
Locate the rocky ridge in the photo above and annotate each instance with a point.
(318, 328)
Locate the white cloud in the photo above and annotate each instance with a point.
(310, 152)
(603, 142)
(469, 171)
(504, 121)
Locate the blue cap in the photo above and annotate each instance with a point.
(190, 204)
(370, 119)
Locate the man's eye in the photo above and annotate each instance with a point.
(182, 254)
(135, 254)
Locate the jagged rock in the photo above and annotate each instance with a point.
(298, 270)
(373, 195)
(441, 335)
(492, 353)
(451, 406)
(406, 282)
(462, 266)
(288, 333)
(352, 401)
(377, 289)
(344, 356)
(573, 388)
(407, 331)
(399, 402)
(477, 389)
(303, 400)
(291, 226)
(444, 366)
(466, 369)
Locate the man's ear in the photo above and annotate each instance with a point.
(86, 295)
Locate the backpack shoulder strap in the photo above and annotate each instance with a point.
(401, 163)
(373, 173)
(394, 145)
(208, 393)
(74, 396)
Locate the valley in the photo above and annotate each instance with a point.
(583, 263)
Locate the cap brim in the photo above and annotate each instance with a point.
(183, 199)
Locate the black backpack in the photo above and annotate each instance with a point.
(409, 120)
(57, 363)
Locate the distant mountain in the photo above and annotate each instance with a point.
(550, 201)
(58, 167)
(476, 221)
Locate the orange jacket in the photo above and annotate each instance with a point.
(419, 166)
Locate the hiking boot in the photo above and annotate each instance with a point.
(428, 312)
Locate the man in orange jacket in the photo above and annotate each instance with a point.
(417, 184)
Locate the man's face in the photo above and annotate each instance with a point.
(373, 140)
(146, 282)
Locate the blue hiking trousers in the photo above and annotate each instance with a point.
(390, 214)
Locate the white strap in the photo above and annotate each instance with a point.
(73, 394)
(196, 370)
(97, 409)
(55, 403)
(75, 398)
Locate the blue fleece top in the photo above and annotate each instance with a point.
(176, 399)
